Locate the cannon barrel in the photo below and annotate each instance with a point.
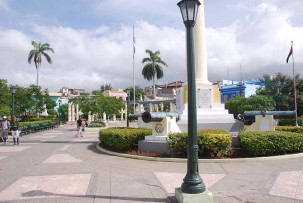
(133, 116)
(250, 115)
(157, 116)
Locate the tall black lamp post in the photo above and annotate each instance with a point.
(59, 101)
(13, 90)
(192, 182)
(127, 109)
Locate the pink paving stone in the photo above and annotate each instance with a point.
(44, 137)
(170, 181)
(82, 139)
(2, 157)
(14, 148)
(55, 186)
(288, 184)
(54, 132)
(61, 158)
(65, 147)
(299, 194)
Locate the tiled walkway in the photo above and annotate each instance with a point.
(53, 166)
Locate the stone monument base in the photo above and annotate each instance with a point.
(154, 146)
(205, 197)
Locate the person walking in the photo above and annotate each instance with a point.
(79, 121)
(80, 129)
(4, 127)
(15, 130)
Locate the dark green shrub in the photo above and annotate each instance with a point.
(177, 143)
(268, 143)
(290, 122)
(122, 139)
(293, 129)
(211, 142)
(22, 124)
(96, 124)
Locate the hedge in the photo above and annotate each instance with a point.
(290, 122)
(22, 124)
(96, 124)
(293, 129)
(269, 143)
(122, 139)
(211, 142)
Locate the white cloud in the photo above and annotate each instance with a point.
(88, 58)
(260, 42)
(4, 6)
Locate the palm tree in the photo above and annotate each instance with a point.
(37, 53)
(153, 69)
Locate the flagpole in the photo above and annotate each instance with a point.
(134, 68)
(295, 91)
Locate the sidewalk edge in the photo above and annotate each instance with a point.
(179, 160)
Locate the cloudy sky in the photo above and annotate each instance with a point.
(93, 45)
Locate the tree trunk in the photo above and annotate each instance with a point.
(154, 88)
(37, 80)
(154, 91)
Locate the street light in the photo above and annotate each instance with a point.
(13, 90)
(59, 101)
(192, 182)
(127, 109)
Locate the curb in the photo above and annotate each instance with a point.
(179, 160)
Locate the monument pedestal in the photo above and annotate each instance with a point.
(157, 142)
(210, 112)
(205, 197)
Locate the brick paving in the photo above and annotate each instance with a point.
(289, 184)
(53, 166)
(172, 180)
(55, 186)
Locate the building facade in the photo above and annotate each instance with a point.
(229, 89)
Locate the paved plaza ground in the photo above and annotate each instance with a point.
(53, 166)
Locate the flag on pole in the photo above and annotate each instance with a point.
(290, 53)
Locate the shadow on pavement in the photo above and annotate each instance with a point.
(37, 193)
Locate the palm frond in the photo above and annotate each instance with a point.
(48, 58)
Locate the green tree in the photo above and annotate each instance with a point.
(5, 98)
(260, 102)
(105, 87)
(63, 112)
(98, 104)
(236, 105)
(36, 55)
(281, 88)
(153, 68)
(138, 92)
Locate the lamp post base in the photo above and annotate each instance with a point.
(205, 197)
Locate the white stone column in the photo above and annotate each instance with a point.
(77, 112)
(151, 107)
(122, 110)
(200, 47)
(69, 112)
(114, 117)
(171, 106)
(104, 116)
(73, 112)
(89, 117)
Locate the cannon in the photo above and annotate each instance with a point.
(157, 116)
(133, 116)
(250, 115)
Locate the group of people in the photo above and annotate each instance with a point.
(12, 127)
(81, 124)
